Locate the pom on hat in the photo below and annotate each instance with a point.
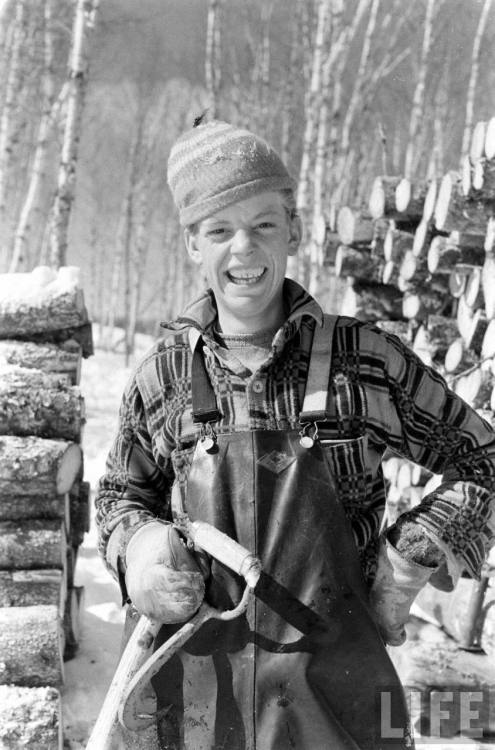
(216, 164)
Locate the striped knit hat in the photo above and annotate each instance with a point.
(216, 164)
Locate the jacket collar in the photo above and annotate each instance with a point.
(201, 314)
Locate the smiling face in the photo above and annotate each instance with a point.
(243, 250)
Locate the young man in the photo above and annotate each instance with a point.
(269, 421)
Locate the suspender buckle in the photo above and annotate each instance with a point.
(307, 439)
(208, 438)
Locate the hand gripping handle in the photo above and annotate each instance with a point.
(234, 556)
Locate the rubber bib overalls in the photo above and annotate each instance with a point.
(304, 668)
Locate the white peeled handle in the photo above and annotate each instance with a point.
(225, 550)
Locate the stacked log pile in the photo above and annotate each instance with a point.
(420, 262)
(44, 502)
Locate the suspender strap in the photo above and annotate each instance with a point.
(315, 405)
(204, 401)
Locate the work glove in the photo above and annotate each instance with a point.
(396, 585)
(162, 577)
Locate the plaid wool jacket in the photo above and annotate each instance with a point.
(381, 396)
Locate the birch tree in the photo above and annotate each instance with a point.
(41, 149)
(417, 112)
(473, 77)
(84, 19)
(213, 56)
(10, 105)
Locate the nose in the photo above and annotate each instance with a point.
(241, 243)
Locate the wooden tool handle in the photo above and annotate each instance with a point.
(134, 655)
(226, 550)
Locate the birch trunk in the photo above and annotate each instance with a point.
(40, 154)
(212, 56)
(83, 21)
(10, 105)
(419, 95)
(358, 85)
(314, 98)
(473, 78)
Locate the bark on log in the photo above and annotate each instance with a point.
(79, 498)
(36, 467)
(28, 304)
(30, 718)
(21, 507)
(382, 197)
(396, 244)
(430, 201)
(358, 263)
(399, 328)
(467, 242)
(444, 253)
(434, 337)
(372, 301)
(82, 334)
(455, 212)
(410, 199)
(330, 247)
(31, 646)
(353, 227)
(49, 358)
(420, 303)
(25, 588)
(33, 544)
(475, 335)
(35, 403)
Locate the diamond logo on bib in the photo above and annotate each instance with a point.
(276, 461)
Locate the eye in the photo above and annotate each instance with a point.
(266, 225)
(216, 232)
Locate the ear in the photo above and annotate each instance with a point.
(191, 246)
(295, 234)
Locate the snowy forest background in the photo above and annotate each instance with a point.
(345, 90)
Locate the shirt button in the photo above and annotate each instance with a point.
(258, 386)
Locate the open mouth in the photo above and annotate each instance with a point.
(246, 276)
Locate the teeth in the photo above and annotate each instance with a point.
(251, 274)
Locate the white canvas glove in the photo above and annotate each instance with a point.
(398, 581)
(163, 578)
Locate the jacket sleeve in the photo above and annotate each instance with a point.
(134, 490)
(433, 427)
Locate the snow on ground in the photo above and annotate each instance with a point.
(88, 675)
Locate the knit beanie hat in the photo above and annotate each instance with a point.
(216, 164)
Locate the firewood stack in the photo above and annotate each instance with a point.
(420, 262)
(44, 502)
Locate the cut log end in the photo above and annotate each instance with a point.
(68, 469)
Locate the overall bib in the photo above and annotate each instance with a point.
(305, 667)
